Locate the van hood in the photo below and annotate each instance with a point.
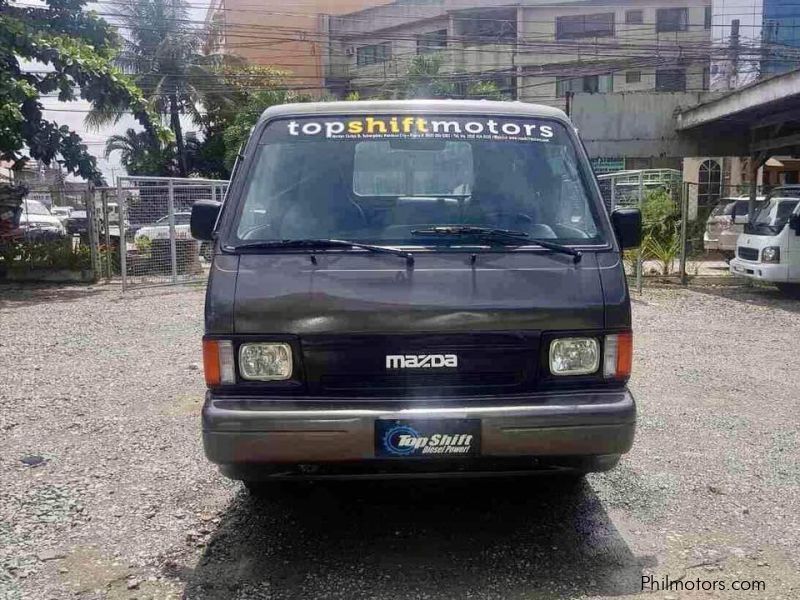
(750, 240)
(354, 292)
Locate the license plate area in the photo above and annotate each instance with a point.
(427, 438)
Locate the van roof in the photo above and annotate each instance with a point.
(463, 107)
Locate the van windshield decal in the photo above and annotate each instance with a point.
(376, 179)
(421, 127)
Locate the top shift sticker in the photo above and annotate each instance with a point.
(450, 128)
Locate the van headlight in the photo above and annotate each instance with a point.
(574, 356)
(265, 361)
(771, 254)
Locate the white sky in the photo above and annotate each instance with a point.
(72, 115)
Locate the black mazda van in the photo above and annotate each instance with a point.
(415, 288)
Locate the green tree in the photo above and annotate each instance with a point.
(60, 50)
(424, 79)
(165, 55)
(238, 131)
(141, 154)
(249, 89)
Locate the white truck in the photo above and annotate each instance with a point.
(769, 248)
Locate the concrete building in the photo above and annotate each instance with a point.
(759, 122)
(534, 50)
(290, 36)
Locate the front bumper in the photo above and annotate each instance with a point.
(242, 431)
(761, 271)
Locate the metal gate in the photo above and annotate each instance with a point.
(156, 246)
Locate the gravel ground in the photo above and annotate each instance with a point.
(104, 491)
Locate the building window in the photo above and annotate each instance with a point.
(487, 26)
(633, 76)
(634, 17)
(671, 80)
(431, 42)
(709, 189)
(706, 78)
(588, 84)
(672, 19)
(376, 53)
(580, 26)
(707, 18)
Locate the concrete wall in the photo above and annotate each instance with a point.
(633, 124)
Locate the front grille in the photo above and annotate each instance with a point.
(747, 253)
(430, 381)
(355, 365)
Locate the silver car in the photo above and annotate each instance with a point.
(725, 223)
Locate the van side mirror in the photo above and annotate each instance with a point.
(740, 219)
(627, 224)
(794, 223)
(204, 217)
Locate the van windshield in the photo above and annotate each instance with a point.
(774, 215)
(384, 179)
(34, 207)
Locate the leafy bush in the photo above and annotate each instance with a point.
(663, 251)
(144, 245)
(661, 229)
(45, 254)
(660, 214)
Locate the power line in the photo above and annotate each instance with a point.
(444, 14)
(553, 47)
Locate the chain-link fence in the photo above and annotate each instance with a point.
(56, 236)
(659, 194)
(716, 219)
(156, 243)
(689, 229)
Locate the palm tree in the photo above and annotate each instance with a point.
(165, 56)
(140, 154)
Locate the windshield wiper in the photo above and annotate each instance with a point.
(324, 243)
(497, 235)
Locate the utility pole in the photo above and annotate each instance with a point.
(733, 53)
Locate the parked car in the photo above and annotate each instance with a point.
(725, 223)
(362, 318)
(160, 230)
(61, 212)
(769, 248)
(36, 221)
(78, 223)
